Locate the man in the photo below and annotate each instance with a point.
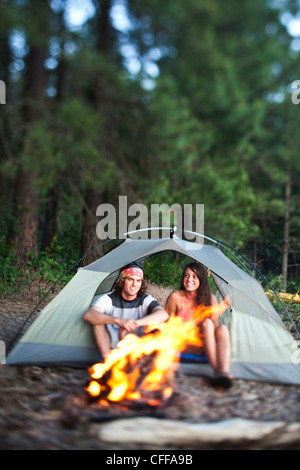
(127, 309)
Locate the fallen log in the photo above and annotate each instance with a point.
(293, 298)
(181, 434)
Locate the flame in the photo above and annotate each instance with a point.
(161, 344)
(94, 388)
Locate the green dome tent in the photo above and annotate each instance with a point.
(262, 348)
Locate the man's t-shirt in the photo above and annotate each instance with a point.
(115, 305)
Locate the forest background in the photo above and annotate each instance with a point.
(186, 102)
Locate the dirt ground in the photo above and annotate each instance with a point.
(48, 408)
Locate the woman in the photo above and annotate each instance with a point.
(195, 291)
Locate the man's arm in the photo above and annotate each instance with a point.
(94, 316)
(158, 315)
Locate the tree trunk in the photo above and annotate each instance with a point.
(104, 39)
(286, 228)
(92, 198)
(89, 239)
(26, 199)
(24, 234)
(50, 223)
(26, 196)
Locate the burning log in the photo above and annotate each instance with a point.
(132, 392)
(141, 369)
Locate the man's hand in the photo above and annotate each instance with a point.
(128, 325)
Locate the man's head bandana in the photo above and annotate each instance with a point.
(132, 272)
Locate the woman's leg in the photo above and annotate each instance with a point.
(223, 349)
(209, 343)
(217, 346)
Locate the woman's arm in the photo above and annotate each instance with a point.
(172, 304)
(214, 317)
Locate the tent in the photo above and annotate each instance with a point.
(262, 348)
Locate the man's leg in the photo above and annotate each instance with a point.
(102, 339)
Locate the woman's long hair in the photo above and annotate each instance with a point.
(203, 293)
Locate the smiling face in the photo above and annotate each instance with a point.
(191, 281)
(131, 287)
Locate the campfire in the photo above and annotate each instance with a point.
(141, 369)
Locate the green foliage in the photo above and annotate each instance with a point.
(211, 131)
(277, 283)
(288, 310)
(9, 273)
(46, 268)
(189, 169)
(67, 148)
(39, 274)
(165, 270)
